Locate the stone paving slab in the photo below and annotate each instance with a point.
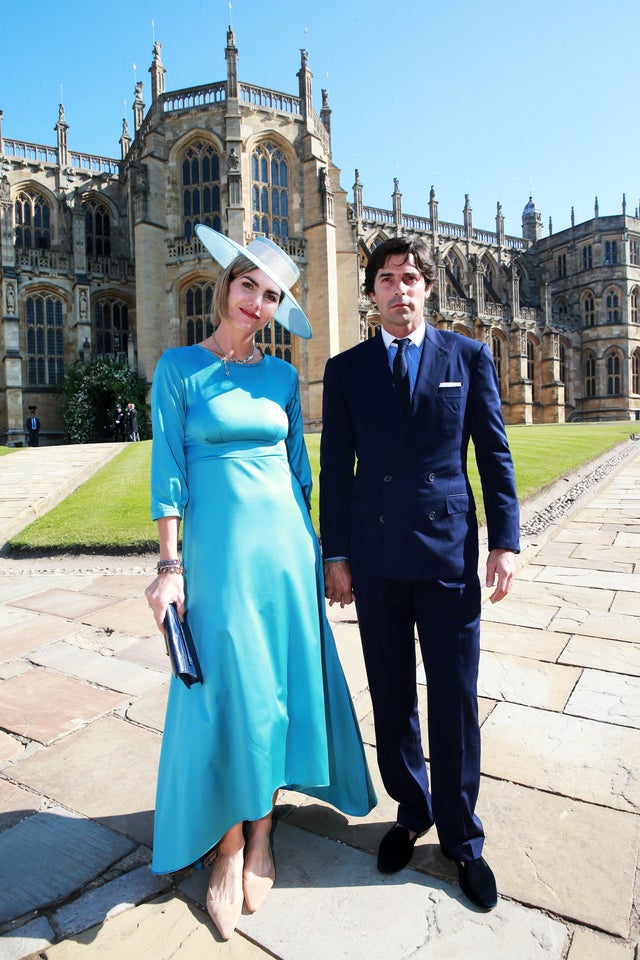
(330, 901)
(43, 706)
(522, 680)
(573, 757)
(149, 709)
(10, 747)
(592, 945)
(50, 855)
(574, 859)
(17, 803)
(30, 634)
(70, 604)
(106, 772)
(148, 652)
(611, 655)
(112, 672)
(108, 900)
(13, 588)
(625, 603)
(593, 579)
(608, 697)
(522, 641)
(614, 626)
(580, 556)
(124, 587)
(130, 616)
(27, 940)
(520, 613)
(163, 929)
(562, 595)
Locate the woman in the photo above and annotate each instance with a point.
(273, 709)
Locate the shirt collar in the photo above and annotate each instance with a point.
(416, 337)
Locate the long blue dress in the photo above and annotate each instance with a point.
(274, 709)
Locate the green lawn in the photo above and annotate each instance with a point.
(110, 512)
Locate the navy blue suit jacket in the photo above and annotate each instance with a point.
(408, 510)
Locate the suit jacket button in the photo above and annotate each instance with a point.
(432, 515)
(431, 477)
(388, 478)
(382, 519)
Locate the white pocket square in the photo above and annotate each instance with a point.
(450, 384)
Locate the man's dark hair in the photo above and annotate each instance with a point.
(400, 246)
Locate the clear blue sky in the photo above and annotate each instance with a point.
(492, 99)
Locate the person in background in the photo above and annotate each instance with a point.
(273, 710)
(118, 423)
(32, 427)
(400, 535)
(132, 422)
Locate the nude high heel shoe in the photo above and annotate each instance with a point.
(224, 915)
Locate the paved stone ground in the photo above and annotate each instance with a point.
(83, 679)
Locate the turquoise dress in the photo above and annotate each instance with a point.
(274, 709)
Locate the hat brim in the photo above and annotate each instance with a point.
(224, 250)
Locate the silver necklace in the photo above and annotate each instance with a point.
(227, 359)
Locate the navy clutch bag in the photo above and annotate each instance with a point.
(180, 648)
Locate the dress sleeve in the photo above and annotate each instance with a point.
(169, 491)
(296, 449)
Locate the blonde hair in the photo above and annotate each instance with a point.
(236, 268)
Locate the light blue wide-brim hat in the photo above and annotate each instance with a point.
(272, 260)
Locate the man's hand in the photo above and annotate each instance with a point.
(501, 568)
(338, 585)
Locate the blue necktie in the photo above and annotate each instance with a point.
(401, 372)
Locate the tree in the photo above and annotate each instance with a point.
(91, 390)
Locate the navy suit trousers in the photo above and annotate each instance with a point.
(447, 617)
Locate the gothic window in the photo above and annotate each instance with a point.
(611, 252)
(97, 229)
(587, 257)
(562, 366)
(111, 328)
(488, 272)
(590, 374)
(531, 366)
(634, 303)
(613, 375)
(562, 310)
(634, 253)
(200, 188)
(561, 266)
(275, 340)
(270, 192)
(32, 217)
(496, 350)
(635, 371)
(198, 310)
(45, 340)
(613, 306)
(589, 310)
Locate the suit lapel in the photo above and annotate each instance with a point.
(433, 363)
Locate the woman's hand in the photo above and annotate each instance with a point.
(165, 589)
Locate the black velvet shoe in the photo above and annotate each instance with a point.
(477, 881)
(396, 849)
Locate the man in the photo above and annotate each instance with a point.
(118, 423)
(132, 422)
(32, 427)
(400, 537)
